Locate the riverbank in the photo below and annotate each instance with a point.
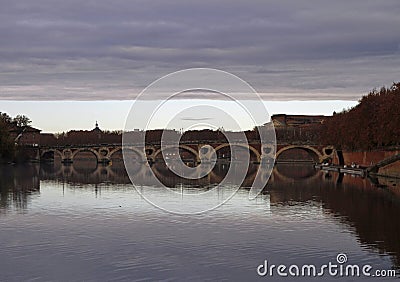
(367, 159)
(341, 169)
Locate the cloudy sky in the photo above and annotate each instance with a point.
(110, 50)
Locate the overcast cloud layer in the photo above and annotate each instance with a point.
(95, 50)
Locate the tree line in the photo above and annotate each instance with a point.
(7, 146)
(373, 123)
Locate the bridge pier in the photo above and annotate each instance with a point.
(67, 161)
(104, 161)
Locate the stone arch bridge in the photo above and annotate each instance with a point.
(193, 151)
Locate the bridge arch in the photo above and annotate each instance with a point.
(95, 153)
(303, 147)
(251, 148)
(55, 151)
(132, 149)
(112, 152)
(190, 149)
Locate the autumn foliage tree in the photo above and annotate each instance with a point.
(373, 123)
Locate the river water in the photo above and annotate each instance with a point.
(88, 223)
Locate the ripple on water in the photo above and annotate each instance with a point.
(108, 232)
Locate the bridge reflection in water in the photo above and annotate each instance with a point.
(368, 207)
(85, 172)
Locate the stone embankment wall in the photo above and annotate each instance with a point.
(366, 159)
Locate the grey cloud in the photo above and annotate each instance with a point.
(85, 50)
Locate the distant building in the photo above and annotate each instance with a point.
(97, 128)
(283, 120)
(93, 136)
(25, 136)
(48, 139)
(82, 137)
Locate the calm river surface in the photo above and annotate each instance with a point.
(88, 223)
